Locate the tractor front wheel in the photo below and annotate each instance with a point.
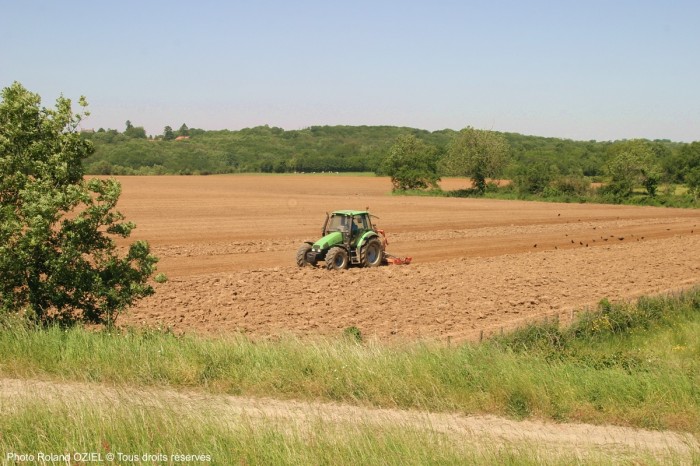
(371, 254)
(301, 255)
(337, 259)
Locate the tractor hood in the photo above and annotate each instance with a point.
(331, 239)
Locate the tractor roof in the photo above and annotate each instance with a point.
(350, 212)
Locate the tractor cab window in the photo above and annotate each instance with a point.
(339, 223)
(359, 223)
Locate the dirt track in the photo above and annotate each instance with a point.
(622, 443)
(227, 244)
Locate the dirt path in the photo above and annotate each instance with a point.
(580, 438)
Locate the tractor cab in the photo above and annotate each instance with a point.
(351, 224)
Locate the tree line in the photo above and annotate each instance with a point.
(627, 168)
(259, 149)
(537, 165)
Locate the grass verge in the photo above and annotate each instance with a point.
(626, 364)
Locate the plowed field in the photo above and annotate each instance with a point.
(227, 244)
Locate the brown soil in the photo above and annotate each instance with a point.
(228, 244)
(622, 443)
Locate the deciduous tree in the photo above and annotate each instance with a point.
(692, 180)
(477, 154)
(633, 163)
(411, 164)
(58, 259)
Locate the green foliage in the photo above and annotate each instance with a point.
(692, 180)
(168, 134)
(609, 321)
(569, 165)
(622, 173)
(542, 336)
(260, 149)
(411, 164)
(571, 185)
(353, 333)
(633, 163)
(478, 154)
(535, 178)
(351, 148)
(569, 157)
(681, 161)
(58, 261)
(135, 132)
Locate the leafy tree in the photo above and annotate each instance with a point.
(633, 164)
(58, 259)
(132, 131)
(622, 170)
(651, 175)
(692, 180)
(168, 133)
(478, 154)
(411, 164)
(688, 160)
(136, 132)
(183, 131)
(535, 177)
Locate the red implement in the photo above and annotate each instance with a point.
(393, 260)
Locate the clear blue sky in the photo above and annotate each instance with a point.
(584, 70)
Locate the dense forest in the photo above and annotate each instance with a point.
(341, 149)
(259, 149)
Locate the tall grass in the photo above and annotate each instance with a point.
(627, 364)
(129, 431)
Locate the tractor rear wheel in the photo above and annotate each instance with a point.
(301, 255)
(337, 259)
(371, 254)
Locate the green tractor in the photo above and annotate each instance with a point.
(348, 238)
